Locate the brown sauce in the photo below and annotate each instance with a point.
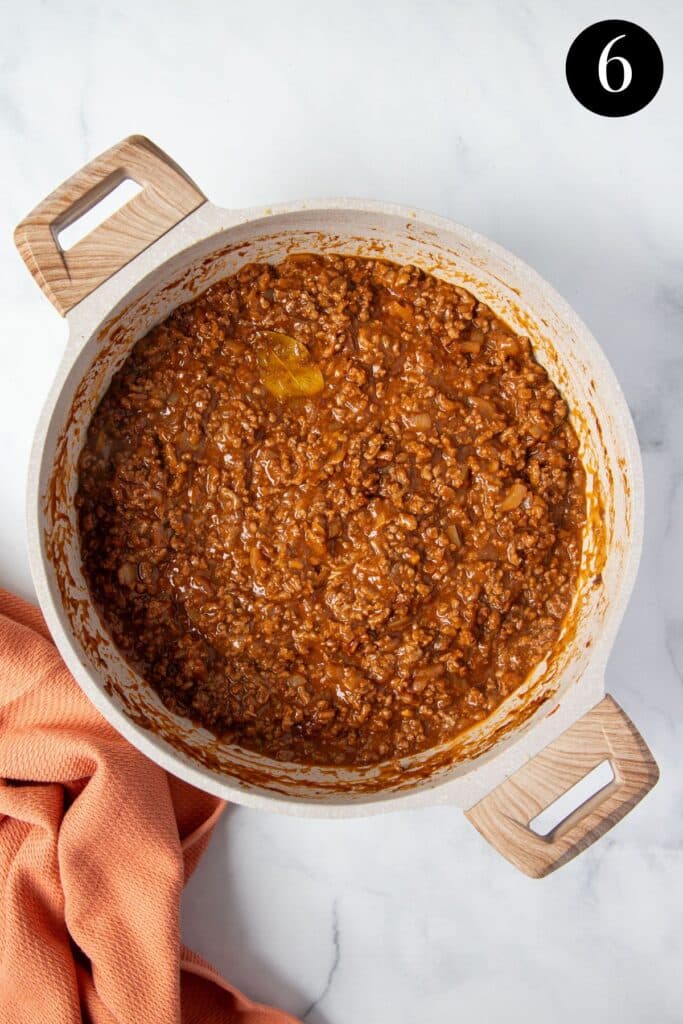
(332, 510)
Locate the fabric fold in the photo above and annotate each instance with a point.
(96, 843)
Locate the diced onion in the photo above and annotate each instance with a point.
(514, 497)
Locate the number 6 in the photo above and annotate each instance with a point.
(605, 59)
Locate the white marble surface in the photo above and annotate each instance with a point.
(462, 108)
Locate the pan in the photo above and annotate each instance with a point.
(163, 248)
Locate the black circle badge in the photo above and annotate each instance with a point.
(614, 68)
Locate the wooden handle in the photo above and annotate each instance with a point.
(604, 733)
(167, 196)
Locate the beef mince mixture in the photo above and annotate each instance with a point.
(332, 509)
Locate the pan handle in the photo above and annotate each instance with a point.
(505, 815)
(167, 196)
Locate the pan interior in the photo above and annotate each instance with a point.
(518, 297)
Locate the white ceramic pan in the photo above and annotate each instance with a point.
(163, 248)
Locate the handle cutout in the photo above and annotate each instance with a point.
(74, 230)
(573, 799)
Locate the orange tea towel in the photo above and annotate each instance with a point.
(96, 843)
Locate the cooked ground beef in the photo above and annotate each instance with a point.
(332, 509)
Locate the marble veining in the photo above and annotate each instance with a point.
(336, 954)
(461, 108)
